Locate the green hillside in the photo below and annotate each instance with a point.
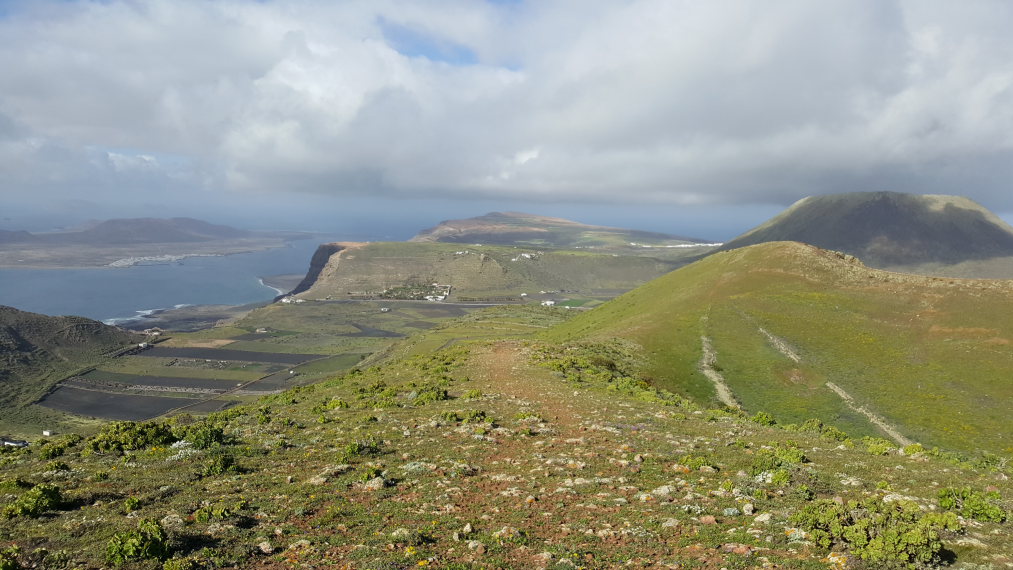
(494, 454)
(795, 330)
(36, 351)
(474, 272)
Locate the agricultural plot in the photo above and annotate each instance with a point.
(224, 354)
(272, 349)
(109, 405)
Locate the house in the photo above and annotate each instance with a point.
(14, 442)
(385, 309)
(548, 303)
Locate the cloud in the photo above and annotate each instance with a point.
(657, 101)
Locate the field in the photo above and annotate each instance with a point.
(211, 369)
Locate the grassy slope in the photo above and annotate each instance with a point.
(930, 355)
(562, 473)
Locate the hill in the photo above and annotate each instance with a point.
(476, 272)
(124, 242)
(799, 332)
(145, 231)
(890, 230)
(495, 454)
(515, 228)
(37, 350)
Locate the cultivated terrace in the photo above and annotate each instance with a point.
(495, 454)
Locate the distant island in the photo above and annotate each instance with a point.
(133, 241)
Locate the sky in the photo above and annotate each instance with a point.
(386, 116)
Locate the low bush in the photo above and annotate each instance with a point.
(884, 535)
(118, 437)
(148, 542)
(972, 504)
(34, 502)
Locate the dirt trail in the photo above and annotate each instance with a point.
(876, 420)
(510, 372)
(707, 367)
(781, 346)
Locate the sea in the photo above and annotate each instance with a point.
(116, 295)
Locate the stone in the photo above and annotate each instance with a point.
(731, 512)
(708, 519)
(375, 484)
(265, 547)
(764, 518)
(477, 546)
(748, 509)
(670, 523)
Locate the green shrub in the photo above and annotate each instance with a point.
(779, 457)
(118, 437)
(9, 558)
(878, 445)
(430, 394)
(472, 394)
(148, 542)
(884, 535)
(695, 462)
(57, 466)
(219, 464)
(181, 564)
(204, 435)
(131, 504)
(971, 504)
(34, 502)
(764, 419)
(913, 449)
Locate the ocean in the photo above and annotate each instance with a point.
(118, 294)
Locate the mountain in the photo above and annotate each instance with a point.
(889, 229)
(36, 350)
(20, 236)
(146, 231)
(803, 332)
(515, 228)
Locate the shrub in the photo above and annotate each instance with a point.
(148, 542)
(430, 394)
(779, 457)
(34, 502)
(971, 504)
(9, 558)
(118, 437)
(131, 504)
(764, 419)
(204, 435)
(885, 535)
(219, 464)
(878, 445)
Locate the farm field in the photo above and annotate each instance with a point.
(271, 349)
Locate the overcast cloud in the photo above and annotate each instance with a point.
(639, 101)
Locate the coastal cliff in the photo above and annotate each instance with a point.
(317, 264)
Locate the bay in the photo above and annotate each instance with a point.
(117, 294)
